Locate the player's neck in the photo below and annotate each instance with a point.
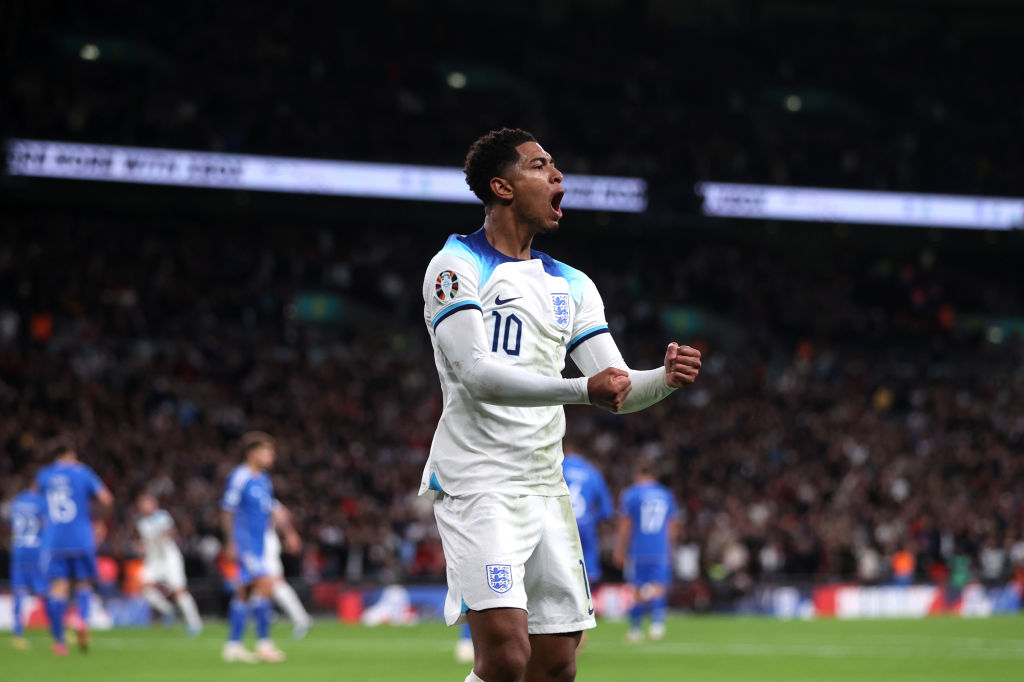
(507, 235)
(253, 468)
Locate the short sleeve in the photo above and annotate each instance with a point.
(233, 492)
(450, 284)
(94, 483)
(166, 523)
(589, 320)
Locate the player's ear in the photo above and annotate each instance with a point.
(501, 188)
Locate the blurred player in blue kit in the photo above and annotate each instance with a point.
(27, 518)
(246, 514)
(69, 545)
(591, 503)
(647, 532)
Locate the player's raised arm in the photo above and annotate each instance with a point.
(463, 341)
(681, 366)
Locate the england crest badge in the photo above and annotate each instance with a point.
(499, 577)
(560, 303)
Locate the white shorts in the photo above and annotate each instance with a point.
(169, 571)
(515, 551)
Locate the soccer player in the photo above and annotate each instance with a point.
(501, 318)
(69, 546)
(591, 503)
(28, 516)
(283, 593)
(246, 509)
(163, 564)
(647, 532)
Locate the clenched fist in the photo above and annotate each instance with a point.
(682, 364)
(609, 388)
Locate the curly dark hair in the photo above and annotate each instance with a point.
(490, 156)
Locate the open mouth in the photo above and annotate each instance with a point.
(556, 204)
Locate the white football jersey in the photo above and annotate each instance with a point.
(156, 538)
(534, 311)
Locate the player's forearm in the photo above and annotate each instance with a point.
(491, 382)
(461, 339)
(649, 387)
(227, 526)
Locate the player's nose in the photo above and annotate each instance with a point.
(556, 175)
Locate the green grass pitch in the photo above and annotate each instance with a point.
(708, 649)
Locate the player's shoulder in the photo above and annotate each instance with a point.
(239, 476)
(464, 247)
(663, 489)
(577, 280)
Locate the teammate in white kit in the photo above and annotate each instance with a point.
(501, 318)
(163, 565)
(284, 594)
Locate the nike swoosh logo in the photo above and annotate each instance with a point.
(498, 300)
(590, 612)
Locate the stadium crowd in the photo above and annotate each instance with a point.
(845, 412)
(792, 93)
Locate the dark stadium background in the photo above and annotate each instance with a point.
(856, 398)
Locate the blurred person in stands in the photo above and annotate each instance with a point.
(501, 318)
(27, 519)
(903, 564)
(69, 546)
(163, 564)
(647, 534)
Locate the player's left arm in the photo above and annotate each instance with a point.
(622, 540)
(282, 520)
(681, 367)
(593, 349)
(100, 493)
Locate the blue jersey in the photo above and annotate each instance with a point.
(591, 503)
(249, 496)
(68, 490)
(651, 507)
(28, 517)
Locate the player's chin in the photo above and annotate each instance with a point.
(549, 226)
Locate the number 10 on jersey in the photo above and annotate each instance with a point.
(509, 344)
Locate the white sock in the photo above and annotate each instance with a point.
(188, 609)
(286, 598)
(158, 601)
(472, 677)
